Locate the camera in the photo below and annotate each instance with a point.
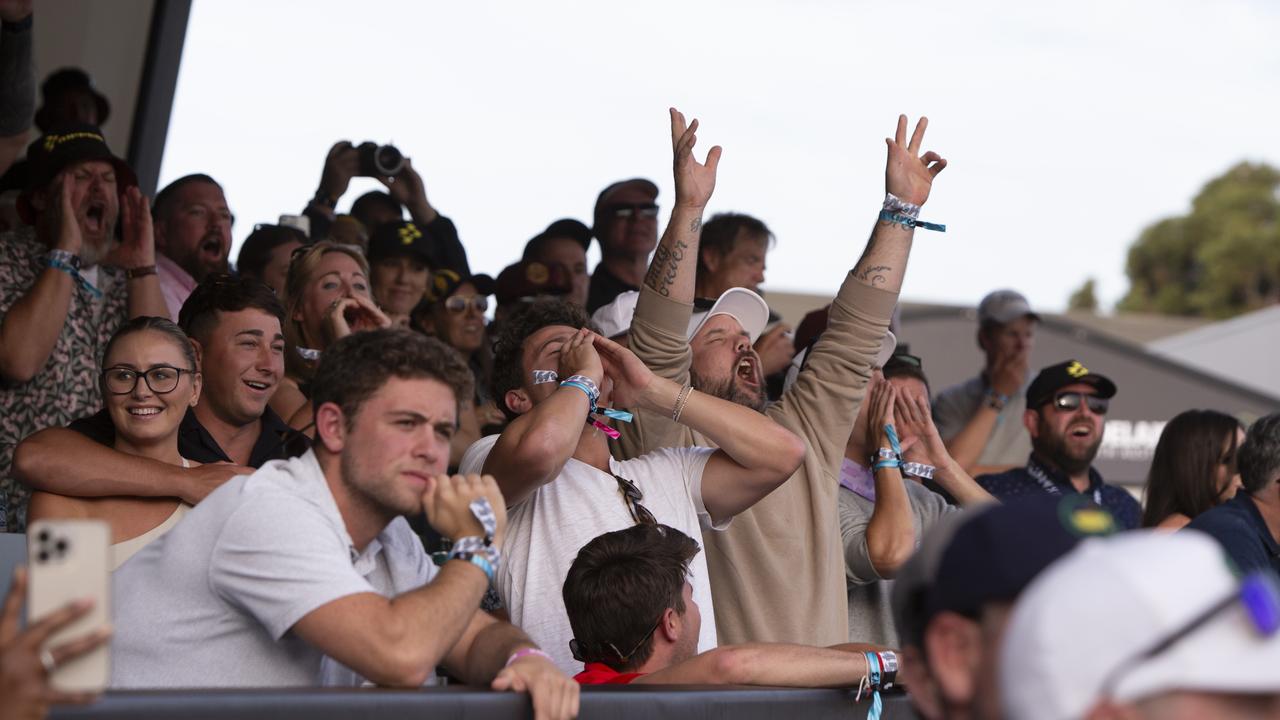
(379, 160)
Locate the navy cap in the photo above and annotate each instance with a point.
(393, 239)
(998, 552)
(1069, 372)
(562, 228)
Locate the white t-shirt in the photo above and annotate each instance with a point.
(547, 529)
(211, 603)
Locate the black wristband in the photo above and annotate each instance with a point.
(22, 25)
(323, 199)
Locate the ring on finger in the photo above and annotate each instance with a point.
(47, 660)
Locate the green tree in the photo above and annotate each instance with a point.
(1219, 260)
(1084, 299)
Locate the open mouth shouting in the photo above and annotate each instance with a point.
(95, 217)
(748, 370)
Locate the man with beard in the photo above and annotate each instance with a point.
(193, 235)
(778, 571)
(61, 296)
(1065, 407)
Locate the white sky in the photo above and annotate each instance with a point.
(1068, 126)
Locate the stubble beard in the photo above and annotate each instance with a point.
(728, 389)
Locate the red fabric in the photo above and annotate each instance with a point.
(601, 674)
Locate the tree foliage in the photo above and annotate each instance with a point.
(1084, 299)
(1219, 260)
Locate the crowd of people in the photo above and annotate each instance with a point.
(322, 465)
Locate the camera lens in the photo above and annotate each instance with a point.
(43, 536)
(388, 160)
(61, 546)
(42, 556)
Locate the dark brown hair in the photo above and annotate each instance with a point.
(508, 348)
(1184, 467)
(618, 588)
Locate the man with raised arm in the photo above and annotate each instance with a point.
(306, 572)
(66, 285)
(553, 377)
(778, 572)
(235, 324)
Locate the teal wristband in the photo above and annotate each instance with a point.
(482, 562)
(886, 464)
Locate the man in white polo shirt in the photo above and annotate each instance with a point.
(305, 573)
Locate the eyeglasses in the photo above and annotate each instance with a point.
(1258, 594)
(632, 496)
(161, 379)
(1070, 401)
(458, 304)
(582, 652)
(626, 212)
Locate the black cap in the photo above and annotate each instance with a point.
(602, 199)
(446, 282)
(404, 237)
(53, 152)
(562, 228)
(999, 551)
(1070, 372)
(65, 80)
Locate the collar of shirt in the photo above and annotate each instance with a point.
(1259, 522)
(276, 441)
(1061, 478)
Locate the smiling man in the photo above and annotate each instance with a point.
(1066, 404)
(235, 325)
(193, 235)
(306, 573)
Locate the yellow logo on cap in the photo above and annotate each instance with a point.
(53, 141)
(536, 273)
(409, 233)
(1076, 370)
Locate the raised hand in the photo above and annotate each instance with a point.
(340, 165)
(139, 246)
(353, 314)
(447, 501)
(920, 439)
(578, 356)
(1010, 372)
(880, 412)
(694, 181)
(630, 376)
(907, 174)
(63, 223)
(406, 187)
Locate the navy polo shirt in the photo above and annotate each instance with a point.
(276, 440)
(1238, 526)
(1020, 482)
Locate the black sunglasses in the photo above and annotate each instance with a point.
(585, 652)
(626, 211)
(632, 496)
(1070, 401)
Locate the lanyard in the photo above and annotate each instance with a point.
(1051, 487)
(858, 479)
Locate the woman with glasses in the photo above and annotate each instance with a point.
(326, 298)
(454, 312)
(1193, 469)
(149, 380)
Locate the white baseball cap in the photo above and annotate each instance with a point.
(1092, 618)
(748, 308)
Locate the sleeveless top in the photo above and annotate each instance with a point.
(125, 549)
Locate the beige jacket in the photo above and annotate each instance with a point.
(777, 572)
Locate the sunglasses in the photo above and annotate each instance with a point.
(458, 304)
(585, 652)
(626, 212)
(632, 496)
(1258, 594)
(1070, 401)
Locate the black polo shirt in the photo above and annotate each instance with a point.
(1042, 478)
(1238, 526)
(604, 287)
(276, 440)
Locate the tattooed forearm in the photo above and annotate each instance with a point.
(873, 274)
(695, 224)
(665, 266)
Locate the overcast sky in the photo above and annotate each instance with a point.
(1068, 126)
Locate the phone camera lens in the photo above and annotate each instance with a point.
(42, 556)
(43, 536)
(61, 547)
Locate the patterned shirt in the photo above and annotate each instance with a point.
(67, 386)
(1042, 478)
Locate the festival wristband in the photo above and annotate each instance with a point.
(872, 683)
(910, 222)
(526, 652)
(80, 280)
(893, 440)
(920, 470)
(65, 256)
(898, 206)
(888, 668)
(883, 464)
(480, 561)
(605, 429)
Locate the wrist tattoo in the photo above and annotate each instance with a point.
(873, 274)
(695, 224)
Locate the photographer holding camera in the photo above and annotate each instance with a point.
(405, 189)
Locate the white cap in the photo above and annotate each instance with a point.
(748, 308)
(614, 319)
(1095, 610)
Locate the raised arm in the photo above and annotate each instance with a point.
(891, 533)
(64, 462)
(967, 443)
(536, 445)
(31, 327)
(409, 190)
(755, 454)
(139, 251)
(17, 80)
(915, 417)
(675, 262)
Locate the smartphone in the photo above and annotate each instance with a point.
(68, 560)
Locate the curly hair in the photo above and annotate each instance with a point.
(508, 348)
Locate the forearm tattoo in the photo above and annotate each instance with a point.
(875, 275)
(665, 265)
